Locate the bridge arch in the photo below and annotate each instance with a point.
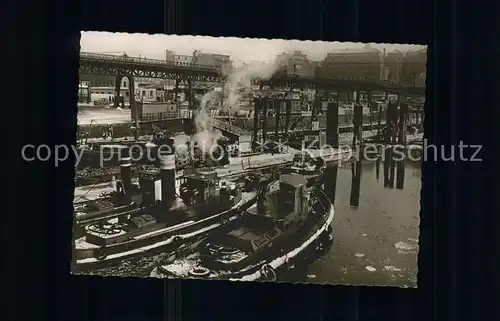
(130, 83)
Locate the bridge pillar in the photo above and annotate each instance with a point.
(176, 89)
(118, 81)
(131, 89)
(133, 106)
(89, 94)
(190, 94)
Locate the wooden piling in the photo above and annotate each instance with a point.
(277, 114)
(379, 116)
(256, 122)
(388, 143)
(265, 108)
(357, 124)
(371, 109)
(394, 133)
(359, 149)
(403, 109)
(332, 139)
(377, 163)
(288, 111)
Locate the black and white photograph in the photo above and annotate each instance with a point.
(244, 159)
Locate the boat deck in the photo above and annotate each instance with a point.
(238, 166)
(165, 227)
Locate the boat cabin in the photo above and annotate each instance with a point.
(315, 137)
(259, 231)
(292, 198)
(199, 187)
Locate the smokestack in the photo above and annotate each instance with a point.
(167, 176)
(126, 169)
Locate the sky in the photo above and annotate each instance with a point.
(240, 49)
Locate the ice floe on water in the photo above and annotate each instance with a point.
(359, 254)
(370, 268)
(391, 268)
(406, 248)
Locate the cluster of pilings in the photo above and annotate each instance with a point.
(394, 147)
(262, 107)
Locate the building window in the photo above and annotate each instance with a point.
(126, 93)
(124, 84)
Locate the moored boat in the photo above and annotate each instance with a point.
(268, 238)
(157, 215)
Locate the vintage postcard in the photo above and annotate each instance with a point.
(248, 159)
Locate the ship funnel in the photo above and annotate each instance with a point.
(126, 170)
(167, 176)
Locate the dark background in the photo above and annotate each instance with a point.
(457, 241)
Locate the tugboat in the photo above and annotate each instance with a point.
(158, 214)
(267, 239)
(306, 166)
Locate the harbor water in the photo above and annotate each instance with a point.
(375, 243)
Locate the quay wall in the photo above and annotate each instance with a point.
(185, 125)
(124, 129)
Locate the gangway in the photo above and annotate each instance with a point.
(226, 127)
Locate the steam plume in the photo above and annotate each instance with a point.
(241, 78)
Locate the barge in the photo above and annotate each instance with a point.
(155, 215)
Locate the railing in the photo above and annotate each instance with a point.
(178, 114)
(122, 58)
(227, 127)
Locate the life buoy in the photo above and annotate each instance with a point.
(268, 273)
(199, 272)
(177, 242)
(327, 236)
(290, 263)
(101, 253)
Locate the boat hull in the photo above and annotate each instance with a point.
(282, 262)
(169, 240)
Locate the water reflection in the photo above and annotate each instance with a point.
(369, 237)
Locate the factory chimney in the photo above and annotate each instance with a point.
(126, 170)
(167, 177)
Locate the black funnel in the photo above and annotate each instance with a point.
(167, 176)
(126, 170)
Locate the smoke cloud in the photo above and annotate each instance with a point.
(206, 135)
(241, 78)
